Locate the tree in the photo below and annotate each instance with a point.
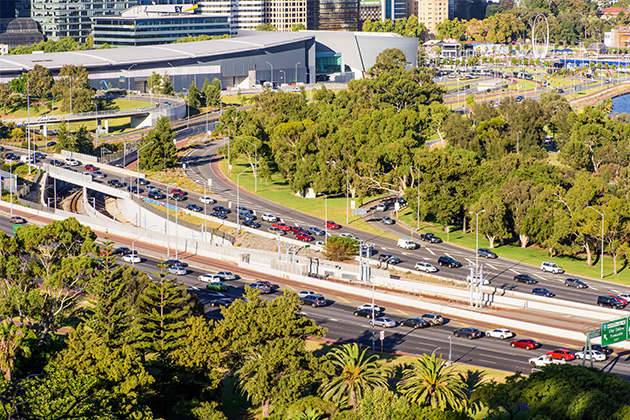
(40, 81)
(354, 373)
(194, 99)
(6, 91)
(13, 343)
(73, 82)
(429, 381)
(154, 83)
(83, 142)
(159, 152)
(298, 27)
(266, 27)
(492, 222)
(338, 248)
(212, 92)
(64, 140)
(167, 85)
(502, 397)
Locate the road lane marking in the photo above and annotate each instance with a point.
(469, 261)
(614, 290)
(404, 253)
(194, 288)
(429, 249)
(513, 271)
(493, 267)
(448, 255)
(400, 312)
(487, 361)
(540, 277)
(593, 288)
(340, 298)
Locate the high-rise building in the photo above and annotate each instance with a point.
(333, 15)
(432, 12)
(393, 9)
(283, 14)
(245, 14)
(369, 9)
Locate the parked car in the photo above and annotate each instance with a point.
(525, 278)
(178, 191)
(207, 200)
(51, 143)
(225, 302)
(562, 354)
(597, 356)
(486, 253)
(603, 349)
(449, 262)
(426, 267)
(313, 300)
(367, 312)
(388, 220)
(306, 293)
(430, 237)
(468, 332)
(501, 333)
(525, 343)
(383, 321)
(221, 209)
(177, 270)
(551, 267)
(332, 225)
(575, 283)
(56, 162)
(607, 301)
(541, 291)
(219, 286)
(415, 323)
(282, 226)
(433, 318)
(268, 217)
(194, 207)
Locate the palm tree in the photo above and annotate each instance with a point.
(472, 380)
(428, 381)
(309, 414)
(358, 373)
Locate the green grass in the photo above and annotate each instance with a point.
(37, 110)
(530, 255)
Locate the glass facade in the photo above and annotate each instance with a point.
(336, 15)
(326, 63)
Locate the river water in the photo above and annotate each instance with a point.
(621, 104)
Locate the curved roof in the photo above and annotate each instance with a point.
(149, 54)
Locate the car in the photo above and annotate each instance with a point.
(268, 217)
(86, 173)
(114, 183)
(562, 354)
(134, 189)
(433, 318)
(367, 312)
(430, 237)
(177, 270)
(218, 215)
(602, 349)
(501, 333)
(621, 300)
(194, 207)
(593, 354)
(383, 321)
(91, 167)
(209, 278)
(306, 293)
(313, 300)
(560, 90)
(27, 159)
(426, 267)
(468, 332)
(178, 197)
(242, 209)
(42, 118)
(131, 258)
(225, 302)
(519, 98)
(525, 343)
(268, 284)
(228, 275)
(609, 302)
(72, 162)
(151, 188)
(219, 286)
(51, 144)
(315, 231)
(246, 216)
(348, 235)
(56, 162)
(575, 283)
(178, 191)
(486, 253)
(39, 155)
(304, 237)
(384, 257)
(99, 175)
(282, 226)
(251, 224)
(388, 220)
(551, 267)
(143, 181)
(415, 323)
(207, 200)
(156, 195)
(449, 262)
(123, 250)
(171, 263)
(332, 225)
(17, 220)
(541, 291)
(221, 209)
(298, 230)
(393, 260)
(370, 306)
(525, 278)
(263, 288)
(381, 207)
(276, 230)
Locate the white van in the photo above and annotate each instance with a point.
(27, 159)
(407, 243)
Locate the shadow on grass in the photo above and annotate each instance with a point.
(234, 405)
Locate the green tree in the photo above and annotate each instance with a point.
(502, 397)
(13, 343)
(338, 248)
(167, 85)
(64, 140)
(83, 141)
(429, 381)
(266, 27)
(194, 99)
(354, 374)
(298, 27)
(6, 91)
(160, 152)
(40, 81)
(212, 92)
(154, 83)
(73, 82)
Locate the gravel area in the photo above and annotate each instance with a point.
(249, 240)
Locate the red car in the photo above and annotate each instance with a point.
(620, 299)
(91, 167)
(332, 225)
(178, 191)
(305, 238)
(282, 226)
(561, 354)
(298, 230)
(525, 343)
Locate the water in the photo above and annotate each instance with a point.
(621, 104)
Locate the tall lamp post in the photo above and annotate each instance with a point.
(12, 185)
(347, 189)
(238, 199)
(128, 82)
(256, 159)
(271, 65)
(53, 105)
(28, 124)
(601, 275)
(476, 236)
(418, 181)
(229, 135)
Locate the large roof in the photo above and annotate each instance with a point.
(149, 54)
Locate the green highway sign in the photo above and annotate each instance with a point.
(614, 331)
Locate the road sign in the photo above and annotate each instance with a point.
(359, 212)
(614, 331)
(382, 335)
(353, 204)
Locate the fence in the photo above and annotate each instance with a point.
(79, 156)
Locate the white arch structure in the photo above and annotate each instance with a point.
(540, 36)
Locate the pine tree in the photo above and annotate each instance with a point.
(83, 141)
(167, 85)
(161, 154)
(193, 95)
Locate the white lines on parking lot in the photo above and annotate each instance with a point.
(429, 249)
(493, 267)
(513, 271)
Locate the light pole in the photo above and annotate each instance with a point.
(173, 74)
(206, 99)
(284, 76)
(601, 275)
(347, 189)
(128, 83)
(418, 181)
(325, 217)
(96, 117)
(271, 73)
(238, 199)
(296, 72)
(476, 236)
(12, 185)
(450, 343)
(229, 132)
(256, 159)
(434, 350)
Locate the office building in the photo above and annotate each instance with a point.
(160, 24)
(333, 15)
(369, 10)
(432, 12)
(283, 14)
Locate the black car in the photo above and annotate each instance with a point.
(541, 291)
(142, 181)
(251, 224)
(122, 250)
(598, 347)
(51, 143)
(575, 283)
(448, 261)
(171, 263)
(486, 253)
(367, 312)
(115, 183)
(313, 300)
(225, 302)
(221, 209)
(218, 215)
(246, 216)
(156, 195)
(610, 302)
(468, 332)
(429, 237)
(134, 189)
(525, 278)
(388, 220)
(519, 98)
(393, 260)
(194, 207)
(56, 162)
(415, 323)
(178, 197)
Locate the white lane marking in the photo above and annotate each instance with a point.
(591, 287)
(429, 249)
(384, 248)
(614, 290)
(540, 277)
(487, 361)
(448, 255)
(491, 266)
(513, 271)
(194, 288)
(404, 253)
(469, 261)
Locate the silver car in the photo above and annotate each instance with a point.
(383, 321)
(177, 270)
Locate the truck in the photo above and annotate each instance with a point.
(545, 360)
(406, 243)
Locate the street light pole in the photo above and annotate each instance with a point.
(296, 72)
(187, 108)
(128, 83)
(476, 237)
(28, 124)
(12, 185)
(271, 73)
(601, 275)
(418, 181)
(347, 190)
(238, 198)
(434, 350)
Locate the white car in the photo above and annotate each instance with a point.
(209, 278)
(551, 267)
(131, 258)
(598, 356)
(383, 321)
(72, 162)
(347, 235)
(426, 267)
(306, 293)
(207, 200)
(501, 333)
(369, 306)
(268, 217)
